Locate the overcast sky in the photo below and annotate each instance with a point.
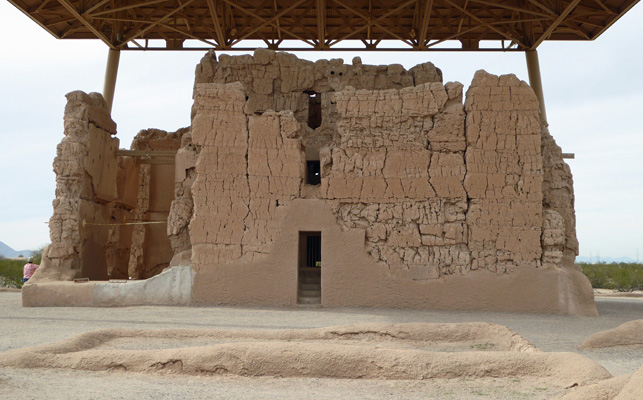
(593, 95)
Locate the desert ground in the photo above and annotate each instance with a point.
(253, 332)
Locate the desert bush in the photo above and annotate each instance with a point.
(11, 272)
(624, 277)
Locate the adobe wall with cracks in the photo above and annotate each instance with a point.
(248, 167)
(89, 194)
(99, 193)
(430, 191)
(397, 170)
(281, 81)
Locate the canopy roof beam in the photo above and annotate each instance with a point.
(111, 71)
(535, 81)
(323, 24)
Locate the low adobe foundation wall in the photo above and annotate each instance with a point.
(172, 287)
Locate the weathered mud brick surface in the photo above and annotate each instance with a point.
(281, 81)
(182, 207)
(98, 194)
(398, 174)
(504, 173)
(248, 166)
(86, 174)
(558, 194)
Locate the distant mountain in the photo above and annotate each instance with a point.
(8, 252)
(607, 260)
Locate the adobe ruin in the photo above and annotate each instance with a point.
(320, 182)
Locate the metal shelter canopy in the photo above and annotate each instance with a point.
(356, 25)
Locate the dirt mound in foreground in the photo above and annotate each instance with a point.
(324, 360)
(373, 351)
(434, 337)
(606, 389)
(633, 390)
(628, 334)
(627, 387)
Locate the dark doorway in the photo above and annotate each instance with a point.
(310, 265)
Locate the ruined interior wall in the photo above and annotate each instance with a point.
(248, 166)
(151, 250)
(87, 194)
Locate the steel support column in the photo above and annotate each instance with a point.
(111, 70)
(533, 68)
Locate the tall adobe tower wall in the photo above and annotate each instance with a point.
(423, 201)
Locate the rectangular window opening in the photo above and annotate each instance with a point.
(313, 172)
(314, 110)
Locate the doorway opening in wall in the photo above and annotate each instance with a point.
(309, 271)
(313, 172)
(314, 109)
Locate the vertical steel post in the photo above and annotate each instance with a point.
(111, 70)
(533, 68)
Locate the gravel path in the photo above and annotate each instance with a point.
(22, 327)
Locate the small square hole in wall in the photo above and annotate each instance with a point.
(313, 173)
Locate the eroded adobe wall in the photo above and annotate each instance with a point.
(437, 197)
(423, 199)
(182, 206)
(281, 81)
(560, 245)
(99, 195)
(248, 167)
(504, 173)
(88, 188)
(395, 171)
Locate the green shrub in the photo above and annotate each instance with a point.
(624, 277)
(37, 255)
(11, 272)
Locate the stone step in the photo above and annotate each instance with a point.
(310, 286)
(309, 300)
(310, 275)
(310, 279)
(309, 293)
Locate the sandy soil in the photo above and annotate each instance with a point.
(627, 334)
(23, 327)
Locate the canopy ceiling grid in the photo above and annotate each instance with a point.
(356, 25)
